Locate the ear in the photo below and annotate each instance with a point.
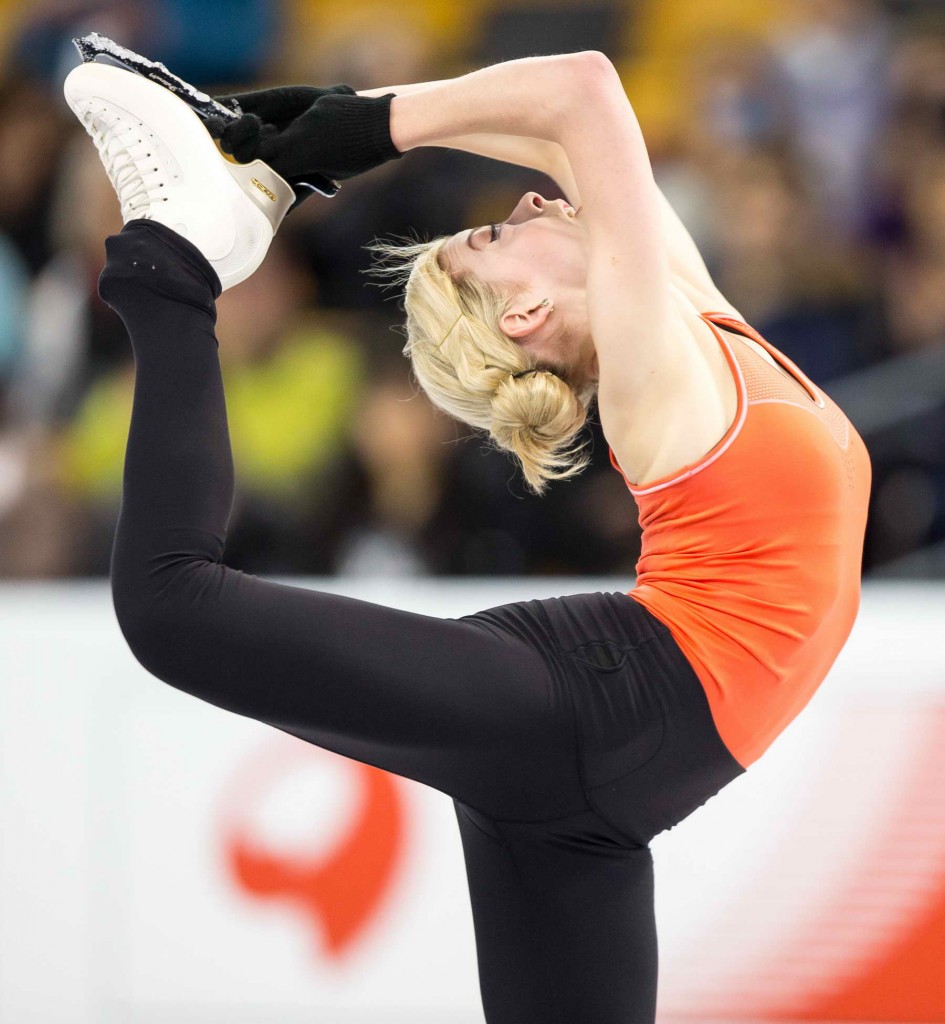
(524, 317)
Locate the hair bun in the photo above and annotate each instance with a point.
(538, 424)
(462, 362)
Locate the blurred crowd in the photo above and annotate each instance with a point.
(801, 141)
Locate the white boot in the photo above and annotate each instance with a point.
(165, 167)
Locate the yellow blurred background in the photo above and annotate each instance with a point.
(801, 141)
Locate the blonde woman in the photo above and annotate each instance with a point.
(568, 732)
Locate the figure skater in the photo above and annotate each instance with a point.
(568, 732)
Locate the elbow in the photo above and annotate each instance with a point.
(594, 70)
(589, 78)
(595, 64)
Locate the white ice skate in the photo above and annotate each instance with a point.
(165, 167)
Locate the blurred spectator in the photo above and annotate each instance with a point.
(833, 62)
(918, 114)
(734, 101)
(531, 29)
(72, 336)
(31, 133)
(414, 493)
(389, 491)
(209, 41)
(203, 41)
(290, 386)
(14, 281)
(41, 528)
(374, 43)
(793, 281)
(42, 50)
(915, 270)
(801, 141)
(908, 508)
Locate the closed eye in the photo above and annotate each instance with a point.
(493, 232)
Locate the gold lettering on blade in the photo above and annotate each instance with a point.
(262, 188)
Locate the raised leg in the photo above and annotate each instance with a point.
(468, 710)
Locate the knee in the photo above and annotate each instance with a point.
(149, 628)
(158, 613)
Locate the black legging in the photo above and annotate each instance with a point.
(568, 732)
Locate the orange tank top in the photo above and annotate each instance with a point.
(752, 556)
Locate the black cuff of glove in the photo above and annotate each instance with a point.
(365, 122)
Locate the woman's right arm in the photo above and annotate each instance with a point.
(578, 102)
(548, 157)
(527, 97)
(524, 151)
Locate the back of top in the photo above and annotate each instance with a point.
(752, 556)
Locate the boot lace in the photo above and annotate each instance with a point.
(126, 156)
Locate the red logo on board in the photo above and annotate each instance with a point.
(341, 889)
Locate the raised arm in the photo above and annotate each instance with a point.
(577, 102)
(688, 272)
(657, 376)
(687, 267)
(522, 150)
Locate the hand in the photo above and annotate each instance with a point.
(276, 108)
(338, 135)
(283, 104)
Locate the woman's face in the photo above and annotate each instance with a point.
(541, 249)
(541, 242)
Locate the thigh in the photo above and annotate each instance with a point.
(470, 710)
(650, 751)
(564, 921)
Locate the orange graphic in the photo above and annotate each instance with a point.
(875, 948)
(341, 892)
(906, 980)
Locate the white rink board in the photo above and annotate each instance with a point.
(118, 904)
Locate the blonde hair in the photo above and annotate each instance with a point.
(474, 372)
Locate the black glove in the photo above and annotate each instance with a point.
(281, 105)
(338, 135)
(277, 107)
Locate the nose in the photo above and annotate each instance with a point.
(530, 205)
(533, 205)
